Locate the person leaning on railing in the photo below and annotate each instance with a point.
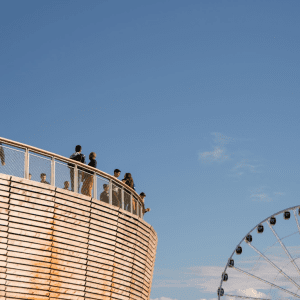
(143, 195)
(2, 155)
(78, 156)
(88, 176)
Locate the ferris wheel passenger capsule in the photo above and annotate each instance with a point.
(286, 215)
(260, 228)
(231, 263)
(220, 292)
(224, 276)
(272, 220)
(248, 238)
(238, 250)
(299, 211)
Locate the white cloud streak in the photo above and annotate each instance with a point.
(218, 153)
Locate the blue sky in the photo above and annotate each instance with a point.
(199, 100)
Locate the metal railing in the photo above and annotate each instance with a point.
(32, 163)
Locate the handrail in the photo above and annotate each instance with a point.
(73, 162)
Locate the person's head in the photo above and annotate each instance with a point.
(127, 176)
(29, 176)
(66, 184)
(43, 177)
(143, 195)
(78, 148)
(117, 173)
(92, 155)
(106, 187)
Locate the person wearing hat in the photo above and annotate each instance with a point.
(104, 197)
(143, 196)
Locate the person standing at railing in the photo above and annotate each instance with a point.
(129, 181)
(88, 176)
(116, 190)
(78, 156)
(143, 196)
(43, 178)
(104, 196)
(66, 185)
(2, 155)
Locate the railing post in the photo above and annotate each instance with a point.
(131, 203)
(26, 164)
(122, 198)
(110, 192)
(75, 179)
(52, 181)
(95, 186)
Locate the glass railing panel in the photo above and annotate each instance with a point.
(64, 176)
(12, 161)
(116, 195)
(127, 201)
(134, 205)
(102, 189)
(39, 168)
(87, 180)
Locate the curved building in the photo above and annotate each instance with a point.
(60, 244)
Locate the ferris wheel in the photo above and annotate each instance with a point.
(266, 263)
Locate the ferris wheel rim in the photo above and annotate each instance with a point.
(293, 208)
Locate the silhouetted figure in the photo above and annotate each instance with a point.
(128, 181)
(143, 195)
(116, 190)
(88, 176)
(104, 196)
(78, 156)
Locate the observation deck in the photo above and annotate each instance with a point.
(57, 243)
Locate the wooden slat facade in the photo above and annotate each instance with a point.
(56, 244)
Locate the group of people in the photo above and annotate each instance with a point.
(87, 178)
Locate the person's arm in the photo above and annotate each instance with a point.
(2, 156)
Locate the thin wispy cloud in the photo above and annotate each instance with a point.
(243, 167)
(259, 195)
(218, 152)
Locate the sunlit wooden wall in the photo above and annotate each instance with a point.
(55, 244)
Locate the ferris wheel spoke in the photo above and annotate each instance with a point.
(267, 282)
(284, 248)
(296, 220)
(244, 297)
(271, 263)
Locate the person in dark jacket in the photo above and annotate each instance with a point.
(2, 155)
(78, 156)
(104, 196)
(128, 181)
(88, 176)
